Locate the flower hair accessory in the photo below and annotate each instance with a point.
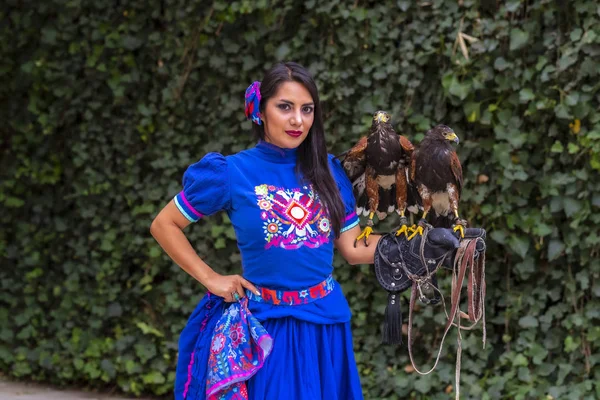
(253, 103)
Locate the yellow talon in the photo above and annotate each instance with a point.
(461, 229)
(364, 235)
(403, 229)
(418, 230)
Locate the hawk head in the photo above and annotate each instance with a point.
(381, 118)
(442, 132)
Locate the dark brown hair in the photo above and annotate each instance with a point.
(312, 153)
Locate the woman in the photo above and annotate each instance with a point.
(290, 203)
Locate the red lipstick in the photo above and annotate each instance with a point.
(294, 133)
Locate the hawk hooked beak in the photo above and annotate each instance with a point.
(452, 136)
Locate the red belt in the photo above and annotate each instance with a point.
(293, 297)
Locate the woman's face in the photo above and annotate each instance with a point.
(288, 115)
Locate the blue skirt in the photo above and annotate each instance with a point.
(308, 361)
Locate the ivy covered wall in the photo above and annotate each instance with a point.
(104, 104)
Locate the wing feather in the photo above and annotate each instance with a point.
(456, 171)
(406, 144)
(355, 160)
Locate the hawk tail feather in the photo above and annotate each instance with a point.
(441, 221)
(386, 201)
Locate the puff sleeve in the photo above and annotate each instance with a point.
(205, 188)
(345, 187)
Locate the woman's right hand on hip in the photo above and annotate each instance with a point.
(229, 287)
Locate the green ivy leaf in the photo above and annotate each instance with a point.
(557, 147)
(144, 110)
(526, 95)
(539, 354)
(571, 206)
(501, 64)
(147, 329)
(520, 360)
(562, 112)
(472, 111)
(423, 385)
(528, 321)
(518, 38)
(458, 89)
(282, 51)
(498, 236)
(571, 344)
(555, 249)
(519, 244)
(154, 377)
(573, 148)
(576, 34)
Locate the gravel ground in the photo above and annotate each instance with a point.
(10, 390)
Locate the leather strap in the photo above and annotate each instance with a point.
(464, 259)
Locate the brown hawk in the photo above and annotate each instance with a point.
(378, 167)
(437, 177)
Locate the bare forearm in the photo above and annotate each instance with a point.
(359, 254)
(364, 254)
(172, 239)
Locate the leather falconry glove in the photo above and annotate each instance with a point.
(399, 263)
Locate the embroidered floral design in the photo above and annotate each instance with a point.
(292, 217)
(261, 190)
(240, 346)
(233, 312)
(324, 225)
(264, 204)
(237, 336)
(218, 343)
(272, 227)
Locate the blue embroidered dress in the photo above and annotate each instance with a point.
(286, 243)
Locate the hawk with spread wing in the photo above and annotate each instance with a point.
(378, 167)
(436, 173)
